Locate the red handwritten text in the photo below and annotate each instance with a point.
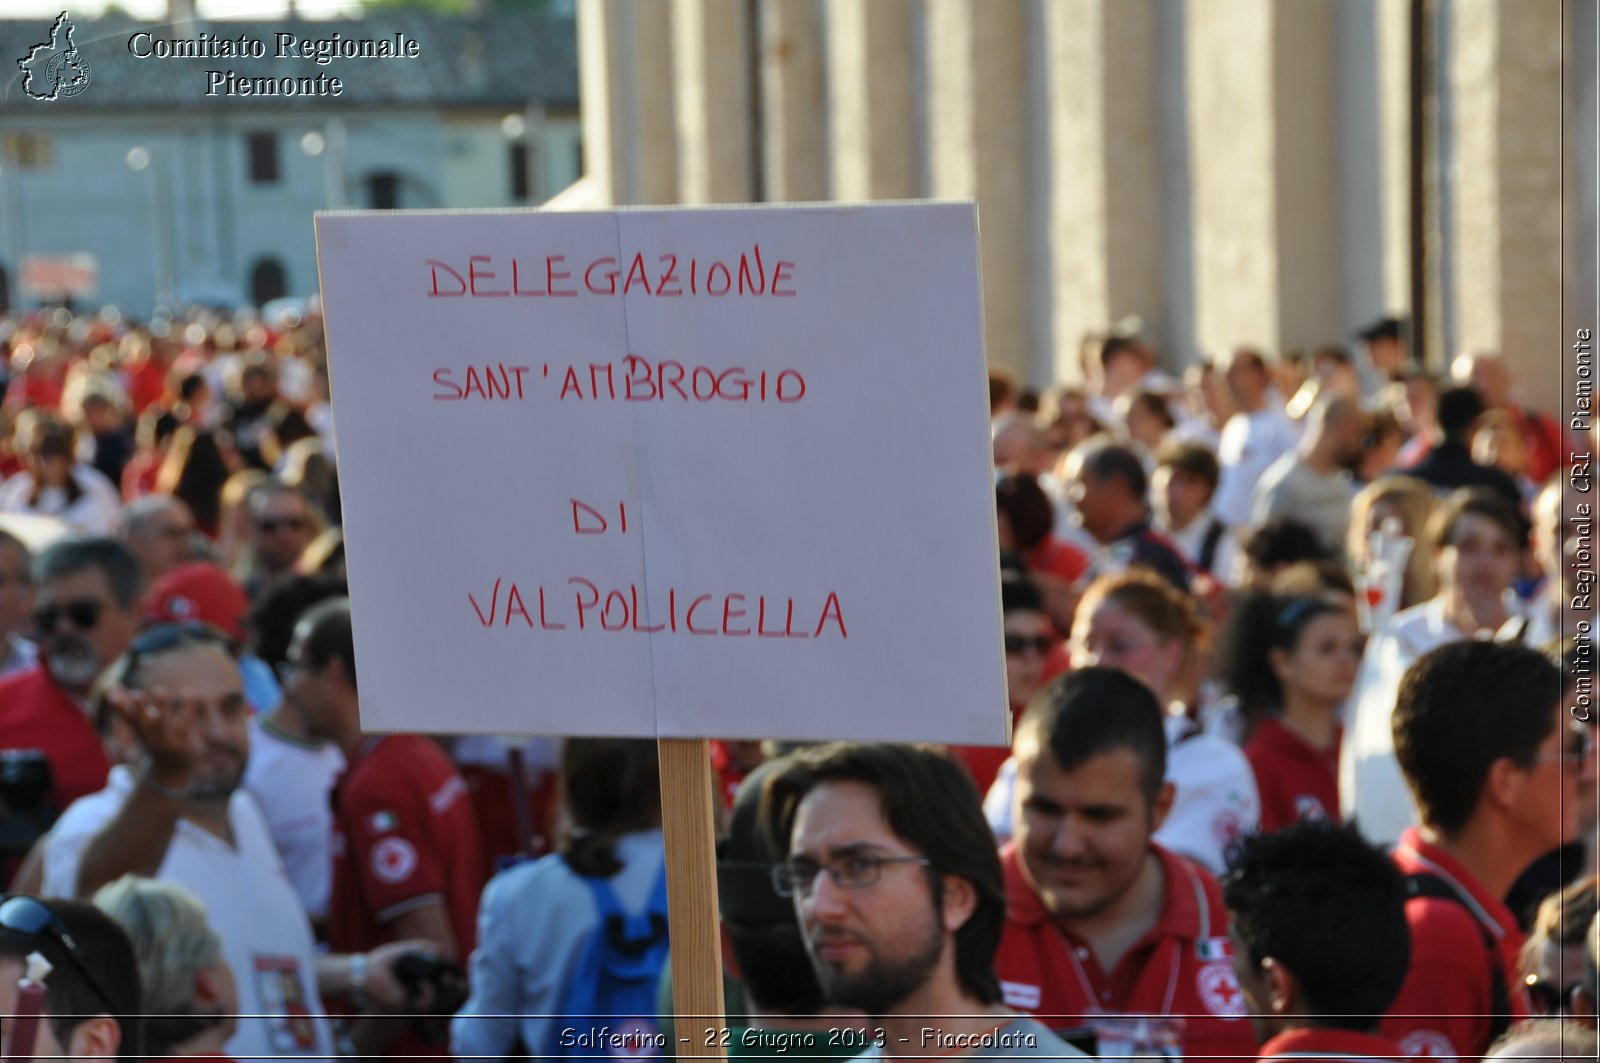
(584, 605)
(666, 276)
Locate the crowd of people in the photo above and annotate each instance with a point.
(1299, 654)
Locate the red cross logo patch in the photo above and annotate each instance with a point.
(393, 860)
(1219, 990)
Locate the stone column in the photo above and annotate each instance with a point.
(625, 78)
(794, 161)
(1265, 195)
(1104, 196)
(1506, 134)
(872, 115)
(978, 91)
(710, 54)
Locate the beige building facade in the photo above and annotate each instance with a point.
(1228, 171)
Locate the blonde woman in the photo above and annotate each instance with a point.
(190, 1000)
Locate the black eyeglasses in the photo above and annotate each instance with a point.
(31, 916)
(1549, 998)
(1041, 644)
(1576, 749)
(82, 613)
(798, 874)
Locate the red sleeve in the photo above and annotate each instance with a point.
(1442, 1007)
(386, 839)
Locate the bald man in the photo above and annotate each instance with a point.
(1312, 482)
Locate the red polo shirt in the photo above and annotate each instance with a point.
(35, 713)
(1182, 967)
(1443, 1007)
(1295, 779)
(1330, 1045)
(404, 834)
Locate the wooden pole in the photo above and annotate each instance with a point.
(688, 823)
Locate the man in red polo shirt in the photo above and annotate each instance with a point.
(1106, 930)
(1492, 760)
(1319, 938)
(407, 858)
(83, 617)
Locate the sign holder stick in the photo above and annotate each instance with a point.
(688, 824)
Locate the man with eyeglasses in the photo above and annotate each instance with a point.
(84, 613)
(1107, 932)
(91, 994)
(181, 816)
(282, 525)
(1492, 760)
(899, 894)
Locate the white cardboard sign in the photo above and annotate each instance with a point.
(678, 473)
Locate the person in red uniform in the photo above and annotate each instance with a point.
(408, 861)
(1319, 939)
(1106, 930)
(1298, 671)
(1492, 760)
(84, 615)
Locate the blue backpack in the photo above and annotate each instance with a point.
(610, 1003)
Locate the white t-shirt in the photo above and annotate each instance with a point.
(290, 781)
(1250, 443)
(266, 938)
(98, 510)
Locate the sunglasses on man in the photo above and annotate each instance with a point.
(81, 613)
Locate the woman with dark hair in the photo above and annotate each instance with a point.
(1026, 518)
(1477, 542)
(198, 463)
(53, 483)
(539, 922)
(1290, 662)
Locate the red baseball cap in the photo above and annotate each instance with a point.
(197, 591)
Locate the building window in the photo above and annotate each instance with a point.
(263, 148)
(383, 191)
(267, 281)
(519, 171)
(5, 291)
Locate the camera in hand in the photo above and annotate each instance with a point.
(435, 990)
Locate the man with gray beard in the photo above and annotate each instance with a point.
(900, 897)
(83, 617)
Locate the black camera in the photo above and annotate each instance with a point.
(435, 990)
